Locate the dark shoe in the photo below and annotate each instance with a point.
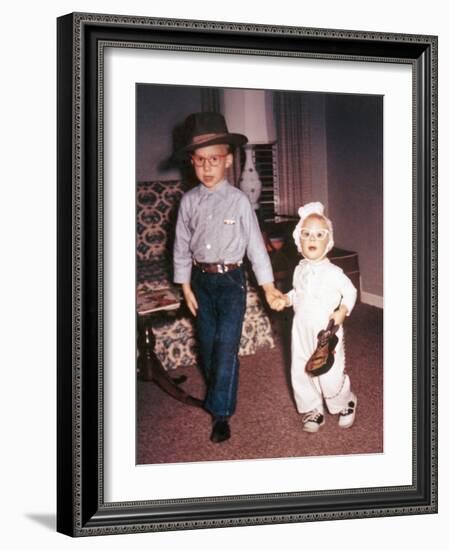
(220, 431)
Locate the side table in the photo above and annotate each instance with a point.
(150, 303)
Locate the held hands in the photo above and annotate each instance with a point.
(340, 315)
(190, 298)
(280, 303)
(275, 299)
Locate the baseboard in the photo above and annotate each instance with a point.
(372, 299)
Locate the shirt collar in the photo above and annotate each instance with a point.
(220, 189)
(314, 263)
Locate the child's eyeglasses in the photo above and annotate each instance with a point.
(213, 160)
(319, 234)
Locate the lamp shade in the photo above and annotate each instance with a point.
(250, 112)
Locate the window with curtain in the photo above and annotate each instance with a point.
(301, 150)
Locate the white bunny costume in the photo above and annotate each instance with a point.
(319, 287)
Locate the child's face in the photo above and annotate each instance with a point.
(313, 248)
(210, 164)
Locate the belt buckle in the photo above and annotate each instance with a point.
(221, 268)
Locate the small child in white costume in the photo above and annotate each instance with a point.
(321, 291)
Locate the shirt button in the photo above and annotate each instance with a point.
(208, 246)
(209, 217)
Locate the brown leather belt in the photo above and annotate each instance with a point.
(217, 268)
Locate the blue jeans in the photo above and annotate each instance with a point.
(221, 307)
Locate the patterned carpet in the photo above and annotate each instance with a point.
(266, 424)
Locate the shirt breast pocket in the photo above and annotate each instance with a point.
(230, 221)
(229, 226)
(230, 237)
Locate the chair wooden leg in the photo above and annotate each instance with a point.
(151, 368)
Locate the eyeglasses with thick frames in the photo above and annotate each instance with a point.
(213, 160)
(318, 234)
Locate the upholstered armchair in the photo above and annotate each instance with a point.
(174, 331)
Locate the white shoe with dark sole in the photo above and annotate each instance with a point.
(347, 415)
(312, 421)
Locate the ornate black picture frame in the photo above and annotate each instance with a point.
(81, 509)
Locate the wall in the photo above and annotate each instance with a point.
(28, 320)
(354, 154)
(155, 133)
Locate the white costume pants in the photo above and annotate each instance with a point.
(311, 392)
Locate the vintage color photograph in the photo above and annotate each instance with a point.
(259, 261)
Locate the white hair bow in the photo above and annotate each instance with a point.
(311, 208)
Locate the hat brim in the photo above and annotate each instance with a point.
(237, 140)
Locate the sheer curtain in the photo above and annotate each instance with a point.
(302, 158)
(210, 100)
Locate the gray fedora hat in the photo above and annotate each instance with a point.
(204, 129)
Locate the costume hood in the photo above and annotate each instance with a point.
(304, 212)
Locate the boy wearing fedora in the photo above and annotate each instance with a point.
(216, 227)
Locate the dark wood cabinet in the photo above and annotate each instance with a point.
(285, 258)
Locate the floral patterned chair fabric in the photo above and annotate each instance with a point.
(157, 205)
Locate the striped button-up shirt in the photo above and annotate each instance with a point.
(218, 226)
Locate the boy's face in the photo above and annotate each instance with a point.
(312, 244)
(210, 164)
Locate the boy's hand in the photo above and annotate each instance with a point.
(279, 304)
(340, 315)
(273, 296)
(190, 298)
